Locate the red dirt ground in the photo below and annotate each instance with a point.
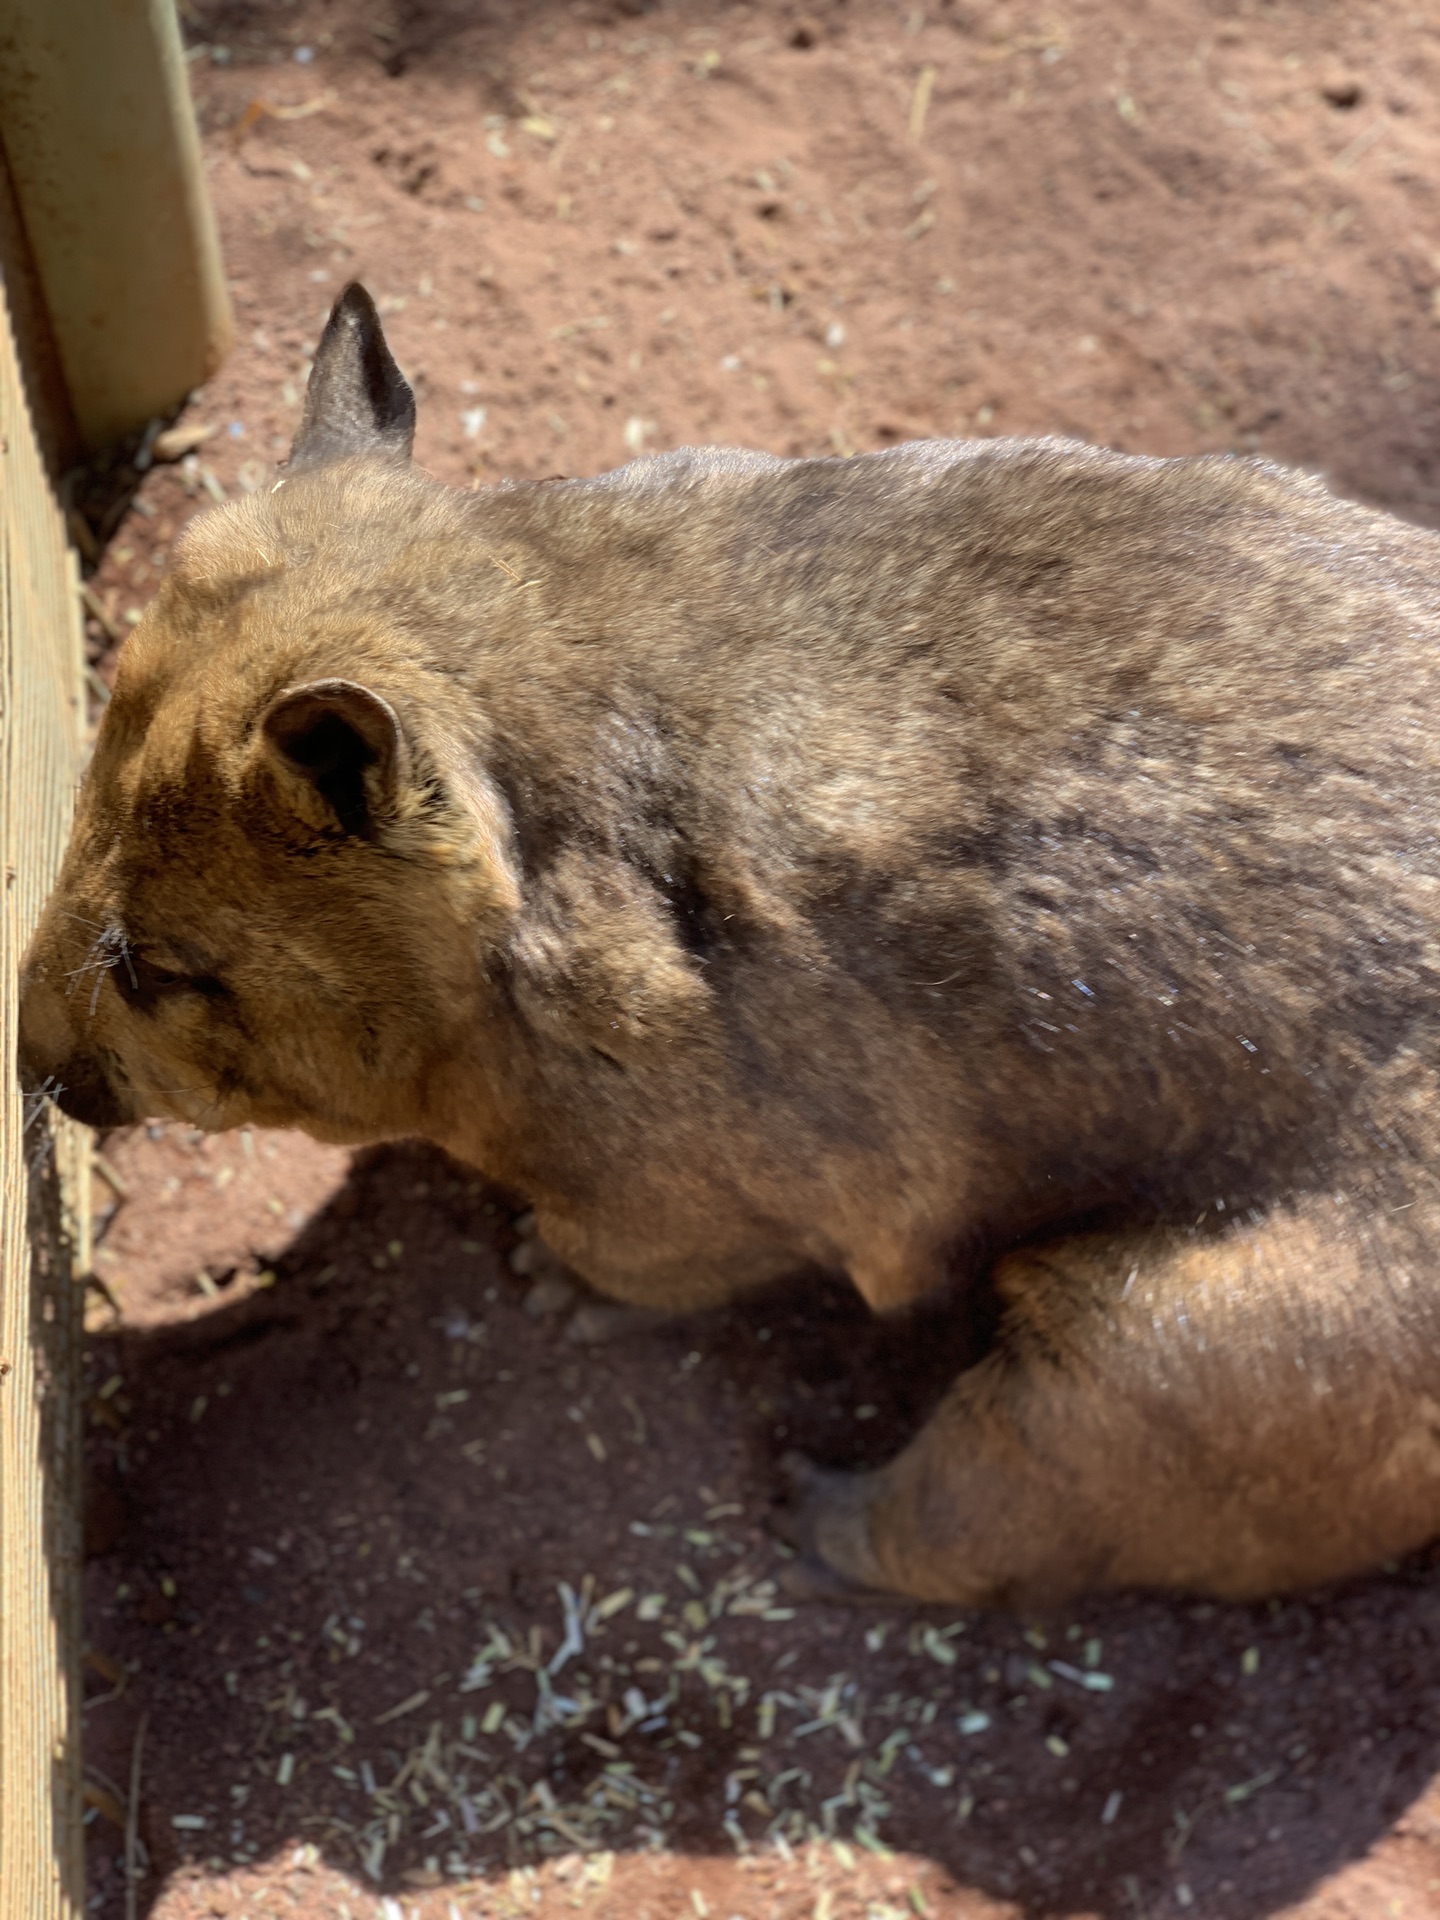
(341, 1483)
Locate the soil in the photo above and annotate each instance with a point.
(346, 1493)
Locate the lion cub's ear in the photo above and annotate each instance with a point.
(343, 753)
(357, 401)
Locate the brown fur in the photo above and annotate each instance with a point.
(1004, 857)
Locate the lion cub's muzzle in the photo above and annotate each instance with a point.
(79, 1088)
(79, 1081)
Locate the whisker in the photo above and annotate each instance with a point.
(93, 959)
(36, 1101)
(77, 974)
(86, 966)
(111, 946)
(95, 990)
(211, 1105)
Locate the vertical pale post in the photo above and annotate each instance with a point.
(43, 1206)
(110, 260)
(101, 144)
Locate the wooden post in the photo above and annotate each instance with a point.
(101, 145)
(112, 307)
(44, 1206)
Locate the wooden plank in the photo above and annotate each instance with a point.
(44, 382)
(43, 1206)
(101, 143)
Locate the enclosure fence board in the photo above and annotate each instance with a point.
(112, 306)
(44, 1204)
(103, 150)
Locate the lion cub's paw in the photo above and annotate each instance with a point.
(551, 1293)
(553, 1288)
(554, 1291)
(595, 1323)
(823, 1517)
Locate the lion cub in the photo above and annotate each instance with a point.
(1004, 859)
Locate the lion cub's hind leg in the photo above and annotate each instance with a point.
(1235, 1413)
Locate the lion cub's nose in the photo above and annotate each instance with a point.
(49, 1062)
(80, 1088)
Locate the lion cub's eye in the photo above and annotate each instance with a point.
(151, 978)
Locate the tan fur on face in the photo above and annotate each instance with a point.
(1010, 857)
(201, 849)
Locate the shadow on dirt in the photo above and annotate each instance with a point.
(335, 1525)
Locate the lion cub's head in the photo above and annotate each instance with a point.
(285, 873)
